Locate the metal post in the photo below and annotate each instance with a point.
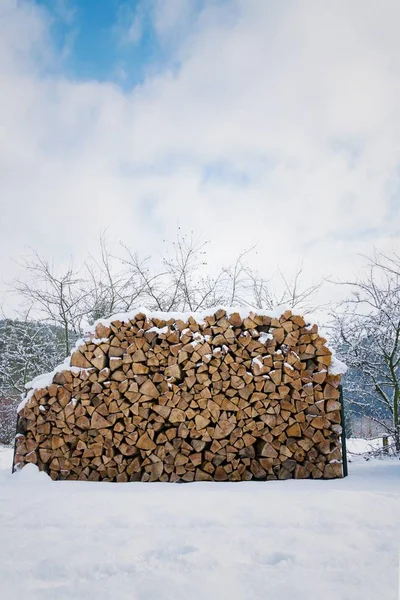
(15, 443)
(344, 449)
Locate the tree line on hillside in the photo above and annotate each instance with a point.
(58, 305)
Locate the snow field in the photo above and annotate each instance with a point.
(290, 540)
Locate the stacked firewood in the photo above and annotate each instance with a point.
(225, 397)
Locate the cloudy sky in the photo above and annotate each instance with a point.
(248, 121)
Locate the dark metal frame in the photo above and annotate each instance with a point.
(15, 443)
(343, 436)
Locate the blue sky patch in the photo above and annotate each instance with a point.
(115, 40)
(91, 36)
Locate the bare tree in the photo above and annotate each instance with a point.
(59, 299)
(268, 293)
(238, 281)
(368, 339)
(181, 282)
(114, 287)
(108, 283)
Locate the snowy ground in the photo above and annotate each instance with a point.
(290, 540)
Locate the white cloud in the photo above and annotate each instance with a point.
(134, 32)
(169, 18)
(64, 11)
(130, 23)
(281, 127)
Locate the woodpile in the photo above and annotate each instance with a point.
(224, 398)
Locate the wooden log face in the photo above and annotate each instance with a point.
(230, 398)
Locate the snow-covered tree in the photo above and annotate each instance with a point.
(27, 348)
(368, 339)
(8, 417)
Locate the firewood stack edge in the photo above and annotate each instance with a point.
(224, 396)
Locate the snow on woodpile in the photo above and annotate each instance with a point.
(226, 394)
